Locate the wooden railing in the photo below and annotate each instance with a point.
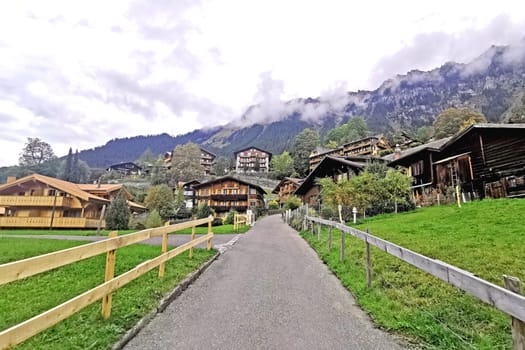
(18, 270)
(508, 300)
(36, 201)
(58, 222)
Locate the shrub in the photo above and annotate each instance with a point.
(292, 202)
(273, 204)
(154, 219)
(117, 216)
(229, 220)
(203, 211)
(216, 222)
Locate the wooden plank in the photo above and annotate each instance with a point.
(518, 327)
(28, 267)
(110, 273)
(208, 245)
(28, 328)
(318, 233)
(342, 252)
(368, 264)
(192, 238)
(329, 238)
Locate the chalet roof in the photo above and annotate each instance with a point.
(431, 146)
(206, 151)
(136, 206)
(105, 188)
(127, 165)
(319, 151)
(250, 147)
(229, 178)
(294, 180)
(327, 166)
(58, 184)
(482, 126)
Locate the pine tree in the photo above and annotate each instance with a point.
(118, 213)
(75, 169)
(68, 166)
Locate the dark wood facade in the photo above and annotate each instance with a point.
(484, 160)
(285, 188)
(228, 193)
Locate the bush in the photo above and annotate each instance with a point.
(137, 222)
(117, 216)
(203, 211)
(229, 219)
(217, 222)
(154, 219)
(273, 204)
(292, 202)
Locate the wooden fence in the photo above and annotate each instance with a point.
(18, 270)
(507, 300)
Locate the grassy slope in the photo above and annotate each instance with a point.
(485, 238)
(86, 329)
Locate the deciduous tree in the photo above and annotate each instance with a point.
(160, 198)
(452, 120)
(356, 128)
(35, 152)
(117, 215)
(282, 166)
(305, 142)
(185, 163)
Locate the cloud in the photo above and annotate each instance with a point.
(429, 50)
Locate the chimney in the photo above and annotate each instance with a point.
(10, 179)
(397, 152)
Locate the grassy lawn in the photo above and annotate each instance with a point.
(223, 229)
(485, 238)
(87, 329)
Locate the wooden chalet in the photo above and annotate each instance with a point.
(484, 160)
(333, 167)
(286, 187)
(127, 168)
(228, 193)
(252, 160)
(368, 146)
(38, 201)
(110, 192)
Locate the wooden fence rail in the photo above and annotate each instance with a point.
(503, 299)
(28, 267)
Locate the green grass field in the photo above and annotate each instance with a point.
(87, 329)
(223, 229)
(486, 238)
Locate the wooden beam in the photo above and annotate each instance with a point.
(518, 327)
(110, 273)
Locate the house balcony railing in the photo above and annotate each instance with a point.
(45, 222)
(35, 201)
(226, 208)
(229, 197)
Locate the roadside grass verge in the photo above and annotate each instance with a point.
(222, 229)
(218, 230)
(485, 238)
(60, 232)
(86, 329)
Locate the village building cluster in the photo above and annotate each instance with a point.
(483, 160)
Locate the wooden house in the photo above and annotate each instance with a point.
(333, 167)
(228, 193)
(38, 201)
(110, 192)
(367, 146)
(127, 168)
(484, 160)
(206, 159)
(285, 188)
(252, 160)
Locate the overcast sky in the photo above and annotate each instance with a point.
(79, 73)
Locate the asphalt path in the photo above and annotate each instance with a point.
(173, 239)
(270, 291)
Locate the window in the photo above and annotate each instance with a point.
(253, 191)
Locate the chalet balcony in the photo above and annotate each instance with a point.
(226, 208)
(37, 222)
(229, 197)
(35, 201)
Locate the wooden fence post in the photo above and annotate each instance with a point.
(319, 232)
(313, 224)
(192, 238)
(209, 231)
(342, 257)
(110, 273)
(164, 248)
(368, 263)
(329, 237)
(518, 327)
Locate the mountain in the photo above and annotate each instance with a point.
(493, 83)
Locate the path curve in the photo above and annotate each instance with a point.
(270, 291)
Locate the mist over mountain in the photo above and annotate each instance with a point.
(493, 83)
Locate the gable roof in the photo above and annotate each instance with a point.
(58, 184)
(481, 126)
(430, 146)
(250, 147)
(229, 178)
(325, 167)
(105, 188)
(295, 180)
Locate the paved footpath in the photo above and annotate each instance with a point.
(270, 291)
